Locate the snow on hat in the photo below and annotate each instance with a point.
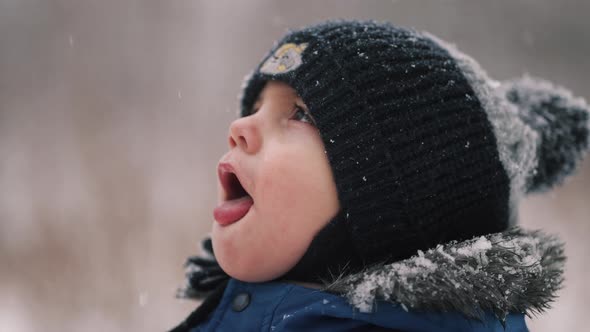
(425, 148)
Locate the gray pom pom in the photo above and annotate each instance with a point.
(562, 122)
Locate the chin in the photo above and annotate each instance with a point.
(249, 265)
(251, 273)
(248, 272)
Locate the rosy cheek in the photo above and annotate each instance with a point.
(272, 185)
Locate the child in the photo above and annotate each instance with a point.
(372, 184)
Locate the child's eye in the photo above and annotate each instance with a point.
(300, 114)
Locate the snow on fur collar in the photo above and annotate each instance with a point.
(515, 271)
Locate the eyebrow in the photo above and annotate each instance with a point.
(256, 102)
(260, 97)
(298, 102)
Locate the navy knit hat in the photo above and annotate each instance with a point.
(424, 147)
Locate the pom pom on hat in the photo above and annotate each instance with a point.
(562, 122)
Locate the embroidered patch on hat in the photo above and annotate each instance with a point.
(285, 58)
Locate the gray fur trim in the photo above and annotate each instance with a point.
(562, 121)
(513, 271)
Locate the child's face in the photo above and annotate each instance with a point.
(279, 157)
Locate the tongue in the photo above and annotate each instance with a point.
(231, 211)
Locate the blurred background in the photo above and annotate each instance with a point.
(113, 115)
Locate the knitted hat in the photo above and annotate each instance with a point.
(424, 147)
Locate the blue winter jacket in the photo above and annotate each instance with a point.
(484, 284)
(276, 306)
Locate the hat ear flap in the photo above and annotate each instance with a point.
(561, 122)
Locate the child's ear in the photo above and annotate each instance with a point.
(561, 122)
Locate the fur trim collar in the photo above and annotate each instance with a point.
(512, 271)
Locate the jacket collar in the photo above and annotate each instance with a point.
(515, 271)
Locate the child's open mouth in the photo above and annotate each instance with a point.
(237, 201)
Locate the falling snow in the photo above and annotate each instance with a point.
(143, 299)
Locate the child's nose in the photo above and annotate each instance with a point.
(245, 134)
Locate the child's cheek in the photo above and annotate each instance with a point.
(283, 202)
(281, 188)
